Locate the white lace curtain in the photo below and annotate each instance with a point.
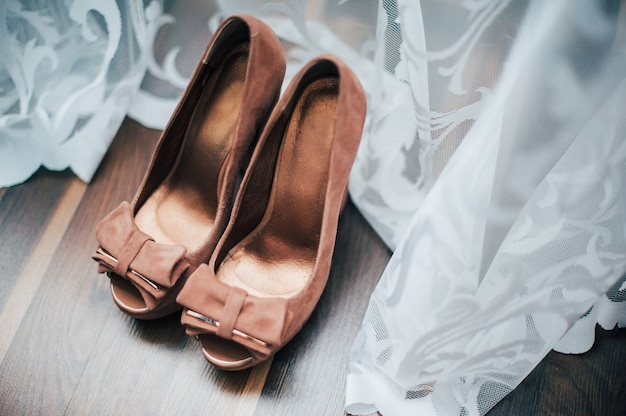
(493, 161)
(523, 232)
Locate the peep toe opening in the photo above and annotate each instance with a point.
(225, 354)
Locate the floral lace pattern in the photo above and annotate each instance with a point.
(68, 74)
(521, 233)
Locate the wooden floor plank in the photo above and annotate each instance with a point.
(198, 388)
(64, 321)
(589, 384)
(15, 307)
(25, 212)
(253, 389)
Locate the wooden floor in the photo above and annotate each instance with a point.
(65, 349)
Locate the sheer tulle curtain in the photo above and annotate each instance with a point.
(68, 72)
(501, 188)
(492, 161)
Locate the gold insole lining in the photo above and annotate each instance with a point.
(182, 209)
(279, 259)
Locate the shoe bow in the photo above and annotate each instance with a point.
(130, 253)
(214, 307)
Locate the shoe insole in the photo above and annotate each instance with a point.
(224, 352)
(182, 209)
(277, 259)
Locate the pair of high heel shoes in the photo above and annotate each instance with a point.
(246, 258)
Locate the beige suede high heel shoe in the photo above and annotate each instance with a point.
(149, 247)
(272, 263)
